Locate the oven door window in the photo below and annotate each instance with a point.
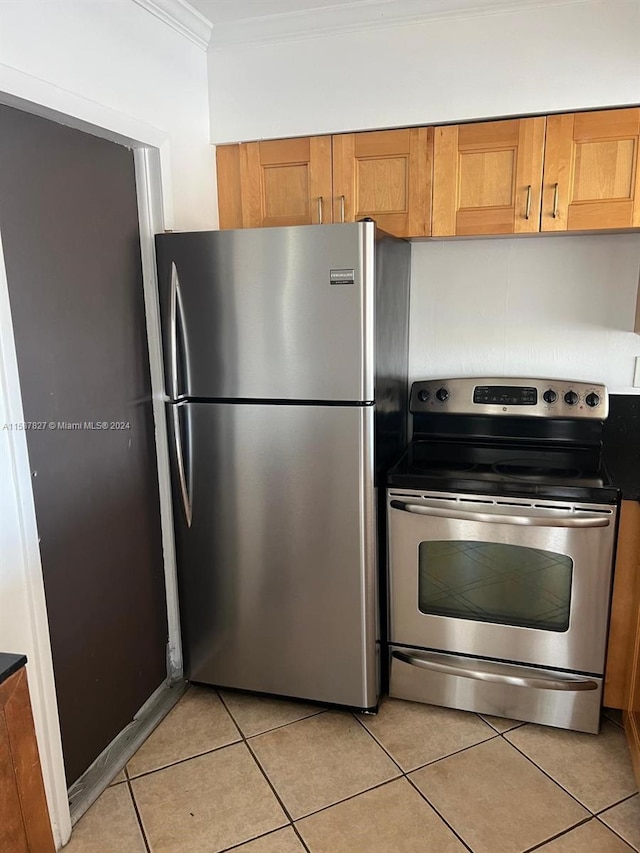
(491, 582)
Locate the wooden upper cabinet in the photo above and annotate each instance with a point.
(487, 177)
(229, 187)
(591, 178)
(385, 175)
(286, 182)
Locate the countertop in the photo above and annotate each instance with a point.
(621, 444)
(10, 664)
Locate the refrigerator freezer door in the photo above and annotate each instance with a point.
(269, 313)
(277, 570)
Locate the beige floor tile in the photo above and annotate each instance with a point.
(414, 733)
(391, 819)
(625, 820)
(119, 777)
(207, 804)
(257, 714)
(110, 826)
(596, 769)
(501, 724)
(591, 837)
(197, 724)
(282, 841)
(318, 761)
(496, 799)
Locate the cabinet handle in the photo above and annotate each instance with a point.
(527, 211)
(554, 212)
(341, 208)
(320, 210)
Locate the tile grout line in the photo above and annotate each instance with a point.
(263, 772)
(615, 832)
(619, 803)
(555, 781)
(591, 815)
(182, 760)
(435, 760)
(564, 832)
(405, 775)
(441, 816)
(257, 838)
(146, 841)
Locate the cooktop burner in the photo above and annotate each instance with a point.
(507, 436)
(527, 469)
(497, 468)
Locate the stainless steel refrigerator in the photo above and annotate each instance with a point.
(285, 356)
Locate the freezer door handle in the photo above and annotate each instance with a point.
(559, 519)
(182, 473)
(173, 331)
(488, 671)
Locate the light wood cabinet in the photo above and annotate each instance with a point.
(631, 715)
(631, 707)
(25, 826)
(622, 676)
(571, 172)
(277, 182)
(488, 178)
(591, 171)
(286, 182)
(385, 175)
(623, 606)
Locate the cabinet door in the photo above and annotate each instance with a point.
(385, 175)
(624, 607)
(629, 541)
(25, 826)
(487, 177)
(229, 190)
(591, 178)
(286, 182)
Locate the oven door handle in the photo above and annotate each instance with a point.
(488, 671)
(563, 519)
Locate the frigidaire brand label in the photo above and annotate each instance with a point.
(342, 276)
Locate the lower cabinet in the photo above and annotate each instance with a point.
(622, 677)
(25, 826)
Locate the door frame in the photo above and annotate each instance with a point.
(152, 155)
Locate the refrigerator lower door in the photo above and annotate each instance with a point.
(276, 546)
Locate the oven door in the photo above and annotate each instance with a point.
(516, 580)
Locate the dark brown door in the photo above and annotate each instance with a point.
(68, 219)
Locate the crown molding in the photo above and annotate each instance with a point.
(348, 17)
(181, 17)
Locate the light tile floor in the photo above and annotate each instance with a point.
(227, 771)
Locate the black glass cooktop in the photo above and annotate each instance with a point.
(504, 469)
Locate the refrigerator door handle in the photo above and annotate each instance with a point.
(182, 473)
(176, 316)
(174, 299)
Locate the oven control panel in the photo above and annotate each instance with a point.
(551, 398)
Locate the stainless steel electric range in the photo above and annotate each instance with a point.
(501, 523)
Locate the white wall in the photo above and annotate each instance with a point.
(116, 54)
(557, 307)
(553, 58)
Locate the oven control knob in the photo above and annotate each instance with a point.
(442, 394)
(550, 396)
(423, 395)
(571, 398)
(592, 400)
